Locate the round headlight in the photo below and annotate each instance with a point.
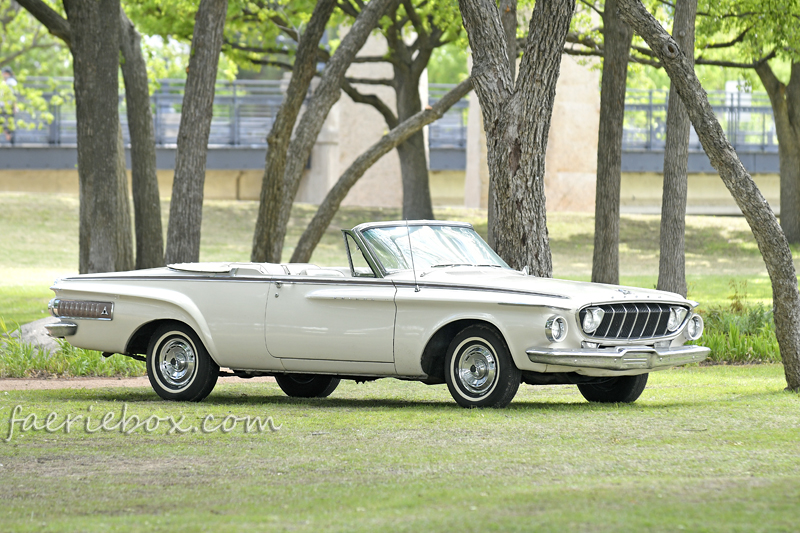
(676, 316)
(556, 328)
(694, 329)
(592, 319)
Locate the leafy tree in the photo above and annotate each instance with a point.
(771, 241)
(327, 209)
(765, 33)
(279, 188)
(89, 29)
(113, 249)
(617, 44)
(412, 32)
(672, 259)
(27, 48)
(516, 116)
(186, 207)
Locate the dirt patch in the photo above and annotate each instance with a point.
(102, 383)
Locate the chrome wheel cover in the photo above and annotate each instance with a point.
(476, 369)
(177, 361)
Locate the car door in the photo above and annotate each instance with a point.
(333, 319)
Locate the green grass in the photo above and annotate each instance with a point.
(705, 449)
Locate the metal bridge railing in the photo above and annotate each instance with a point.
(244, 111)
(746, 118)
(450, 131)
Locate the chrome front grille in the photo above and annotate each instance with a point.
(631, 321)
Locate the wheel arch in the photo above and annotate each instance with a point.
(433, 356)
(140, 339)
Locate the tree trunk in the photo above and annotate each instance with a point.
(766, 230)
(124, 260)
(144, 180)
(330, 205)
(785, 100)
(273, 218)
(508, 17)
(94, 28)
(272, 186)
(517, 122)
(186, 207)
(617, 43)
(417, 203)
(672, 260)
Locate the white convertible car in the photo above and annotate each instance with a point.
(424, 301)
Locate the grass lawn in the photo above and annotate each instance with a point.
(704, 449)
(39, 243)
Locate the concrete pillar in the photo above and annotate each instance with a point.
(571, 163)
(476, 178)
(324, 171)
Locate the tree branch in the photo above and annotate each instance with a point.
(371, 59)
(736, 40)
(348, 8)
(10, 58)
(732, 64)
(416, 21)
(371, 81)
(373, 100)
(327, 209)
(592, 7)
(55, 23)
(271, 63)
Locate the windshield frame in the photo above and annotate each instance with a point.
(374, 258)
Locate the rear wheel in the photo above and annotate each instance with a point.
(179, 366)
(307, 385)
(479, 370)
(624, 389)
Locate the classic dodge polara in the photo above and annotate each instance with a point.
(425, 301)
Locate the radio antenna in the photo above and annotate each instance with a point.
(411, 251)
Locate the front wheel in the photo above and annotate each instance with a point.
(179, 366)
(479, 370)
(307, 385)
(624, 389)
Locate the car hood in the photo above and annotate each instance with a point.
(577, 292)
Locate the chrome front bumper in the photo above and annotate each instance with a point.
(621, 357)
(59, 330)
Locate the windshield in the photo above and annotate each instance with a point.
(434, 247)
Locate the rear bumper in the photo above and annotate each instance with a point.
(59, 330)
(621, 357)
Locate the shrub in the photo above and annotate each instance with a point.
(20, 359)
(740, 334)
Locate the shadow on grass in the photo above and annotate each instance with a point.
(262, 398)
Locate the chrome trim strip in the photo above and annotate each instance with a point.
(59, 330)
(260, 279)
(324, 281)
(390, 223)
(514, 304)
(429, 285)
(622, 323)
(646, 320)
(620, 358)
(373, 262)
